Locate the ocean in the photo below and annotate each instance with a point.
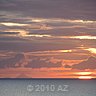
(47, 87)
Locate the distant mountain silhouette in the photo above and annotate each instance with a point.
(22, 76)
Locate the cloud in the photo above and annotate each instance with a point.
(6, 3)
(9, 33)
(67, 66)
(43, 26)
(35, 44)
(43, 63)
(14, 61)
(83, 9)
(90, 63)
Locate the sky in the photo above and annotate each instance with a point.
(47, 38)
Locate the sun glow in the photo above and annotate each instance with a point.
(21, 32)
(83, 37)
(13, 24)
(65, 51)
(38, 20)
(84, 73)
(85, 77)
(39, 35)
(92, 50)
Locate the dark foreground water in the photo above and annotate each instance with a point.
(47, 87)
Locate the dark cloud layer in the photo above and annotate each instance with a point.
(70, 9)
(90, 63)
(36, 44)
(37, 63)
(11, 62)
(9, 33)
(19, 60)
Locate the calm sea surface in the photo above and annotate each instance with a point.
(47, 87)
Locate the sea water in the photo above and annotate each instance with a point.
(47, 87)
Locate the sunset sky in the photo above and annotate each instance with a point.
(48, 39)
